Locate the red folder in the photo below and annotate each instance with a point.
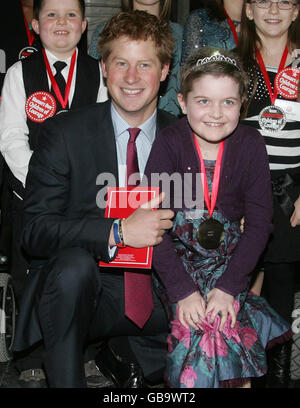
(121, 202)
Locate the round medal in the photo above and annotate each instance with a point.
(210, 233)
(40, 106)
(26, 51)
(287, 82)
(272, 118)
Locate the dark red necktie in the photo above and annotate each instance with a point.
(132, 158)
(138, 287)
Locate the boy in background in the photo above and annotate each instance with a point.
(59, 77)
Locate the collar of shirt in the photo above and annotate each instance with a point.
(52, 59)
(143, 143)
(120, 126)
(65, 72)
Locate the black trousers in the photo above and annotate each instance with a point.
(279, 287)
(79, 304)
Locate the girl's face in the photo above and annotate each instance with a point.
(212, 107)
(271, 22)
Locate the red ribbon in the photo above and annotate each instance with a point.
(233, 29)
(273, 95)
(30, 34)
(210, 202)
(63, 101)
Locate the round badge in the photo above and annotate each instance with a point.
(287, 82)
(26, 51)
(40, 106)
(272, 119)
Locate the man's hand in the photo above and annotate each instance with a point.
(295, 218)
(190, 309)
(220, 302)
(145, 227)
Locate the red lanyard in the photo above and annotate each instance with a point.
(233, 29)
(30, 35)
(63, 101)
(273, 95)
(210, 202)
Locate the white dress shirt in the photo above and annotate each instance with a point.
(143, 142)
(14, 143)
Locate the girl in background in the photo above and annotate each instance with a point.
(267, 46)
(216, 23)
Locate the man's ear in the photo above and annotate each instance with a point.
(103, 67)
(181, 102)
(35, 25)
(164, 72)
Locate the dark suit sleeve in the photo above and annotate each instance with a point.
(50, 225)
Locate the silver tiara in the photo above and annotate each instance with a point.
(216, 57)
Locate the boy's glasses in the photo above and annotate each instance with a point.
(282, 5)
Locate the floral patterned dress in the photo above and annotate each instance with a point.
(208, 358)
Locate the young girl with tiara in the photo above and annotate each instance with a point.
(219, 330)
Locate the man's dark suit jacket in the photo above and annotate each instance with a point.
(60, 201)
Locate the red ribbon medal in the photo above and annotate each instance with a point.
(233, 29)
(272, 118)
(210, 232)
(63, 100)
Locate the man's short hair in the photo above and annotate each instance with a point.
(138, 25)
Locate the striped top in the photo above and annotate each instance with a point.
(283, 147)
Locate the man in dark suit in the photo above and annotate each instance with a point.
(69, 300)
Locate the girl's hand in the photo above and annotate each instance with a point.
(220, 302)
(295, 218)
(190, 309)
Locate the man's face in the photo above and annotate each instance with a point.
(133, 74)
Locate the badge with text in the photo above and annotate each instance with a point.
(272, 118)
(121, 202)
(287, 82)
(40, 106)
(27, 51)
